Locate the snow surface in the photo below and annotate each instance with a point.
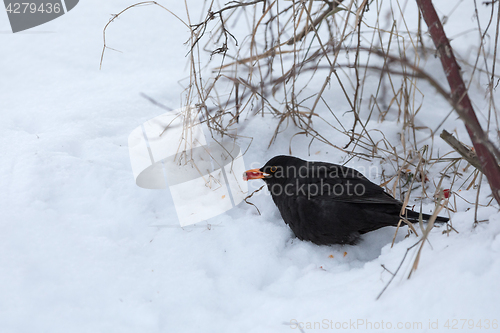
(83, 249)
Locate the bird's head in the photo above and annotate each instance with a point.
(277, 170)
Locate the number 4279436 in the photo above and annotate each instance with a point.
(456, 324)
(30, 7)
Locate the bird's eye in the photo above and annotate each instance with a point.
(273, 169)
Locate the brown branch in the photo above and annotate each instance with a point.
(143, 3)
(485, 150)
(460, 148)
(310, 27)
(397, 270)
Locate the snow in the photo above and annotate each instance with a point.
(83, 249)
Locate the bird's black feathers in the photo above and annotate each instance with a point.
(330, 204)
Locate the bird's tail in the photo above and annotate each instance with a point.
(414, 217)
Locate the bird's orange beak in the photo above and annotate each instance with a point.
(253, 174)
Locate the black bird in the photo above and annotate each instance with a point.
(327, 203)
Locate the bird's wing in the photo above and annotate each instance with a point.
(344, 184)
